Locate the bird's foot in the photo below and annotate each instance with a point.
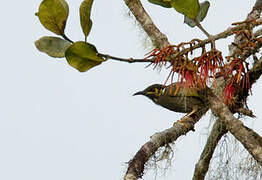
(184, 122)
(184, 119)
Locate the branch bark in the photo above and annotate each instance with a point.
(249, 138)
(219, 128)
(158, 39)
(226, 33)
(202, 165)
(257, 9)
(255, 72)
(136, 165)
(240, 38)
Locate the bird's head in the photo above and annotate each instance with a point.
(153, 92)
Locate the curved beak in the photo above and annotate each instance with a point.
(139, 93)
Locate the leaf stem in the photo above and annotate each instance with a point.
(66, 38)
(212, 39)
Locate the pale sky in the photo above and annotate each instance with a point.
(59, 124)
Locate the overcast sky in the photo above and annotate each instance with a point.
(59, 124)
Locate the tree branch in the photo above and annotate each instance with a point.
(136, 165)
(202, 165)
(128, 60)
(250, 139)
(258, 32)
(240, 38)
(257, 7)
(255, 72)
(158, 39)
(228, 32)
(219, 128)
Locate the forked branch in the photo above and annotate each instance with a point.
(249, 138)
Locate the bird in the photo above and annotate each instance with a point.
(183, 99)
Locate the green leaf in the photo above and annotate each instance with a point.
(53, 46)
(53, 15)
(82, 56)
(204, 6)
(190, 8)
(163, 3)
(86, 22)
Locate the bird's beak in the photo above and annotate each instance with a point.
(139, 93)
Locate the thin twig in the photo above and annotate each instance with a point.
(128, 60)
(228, 32)
(224, 34)
(213, 45)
